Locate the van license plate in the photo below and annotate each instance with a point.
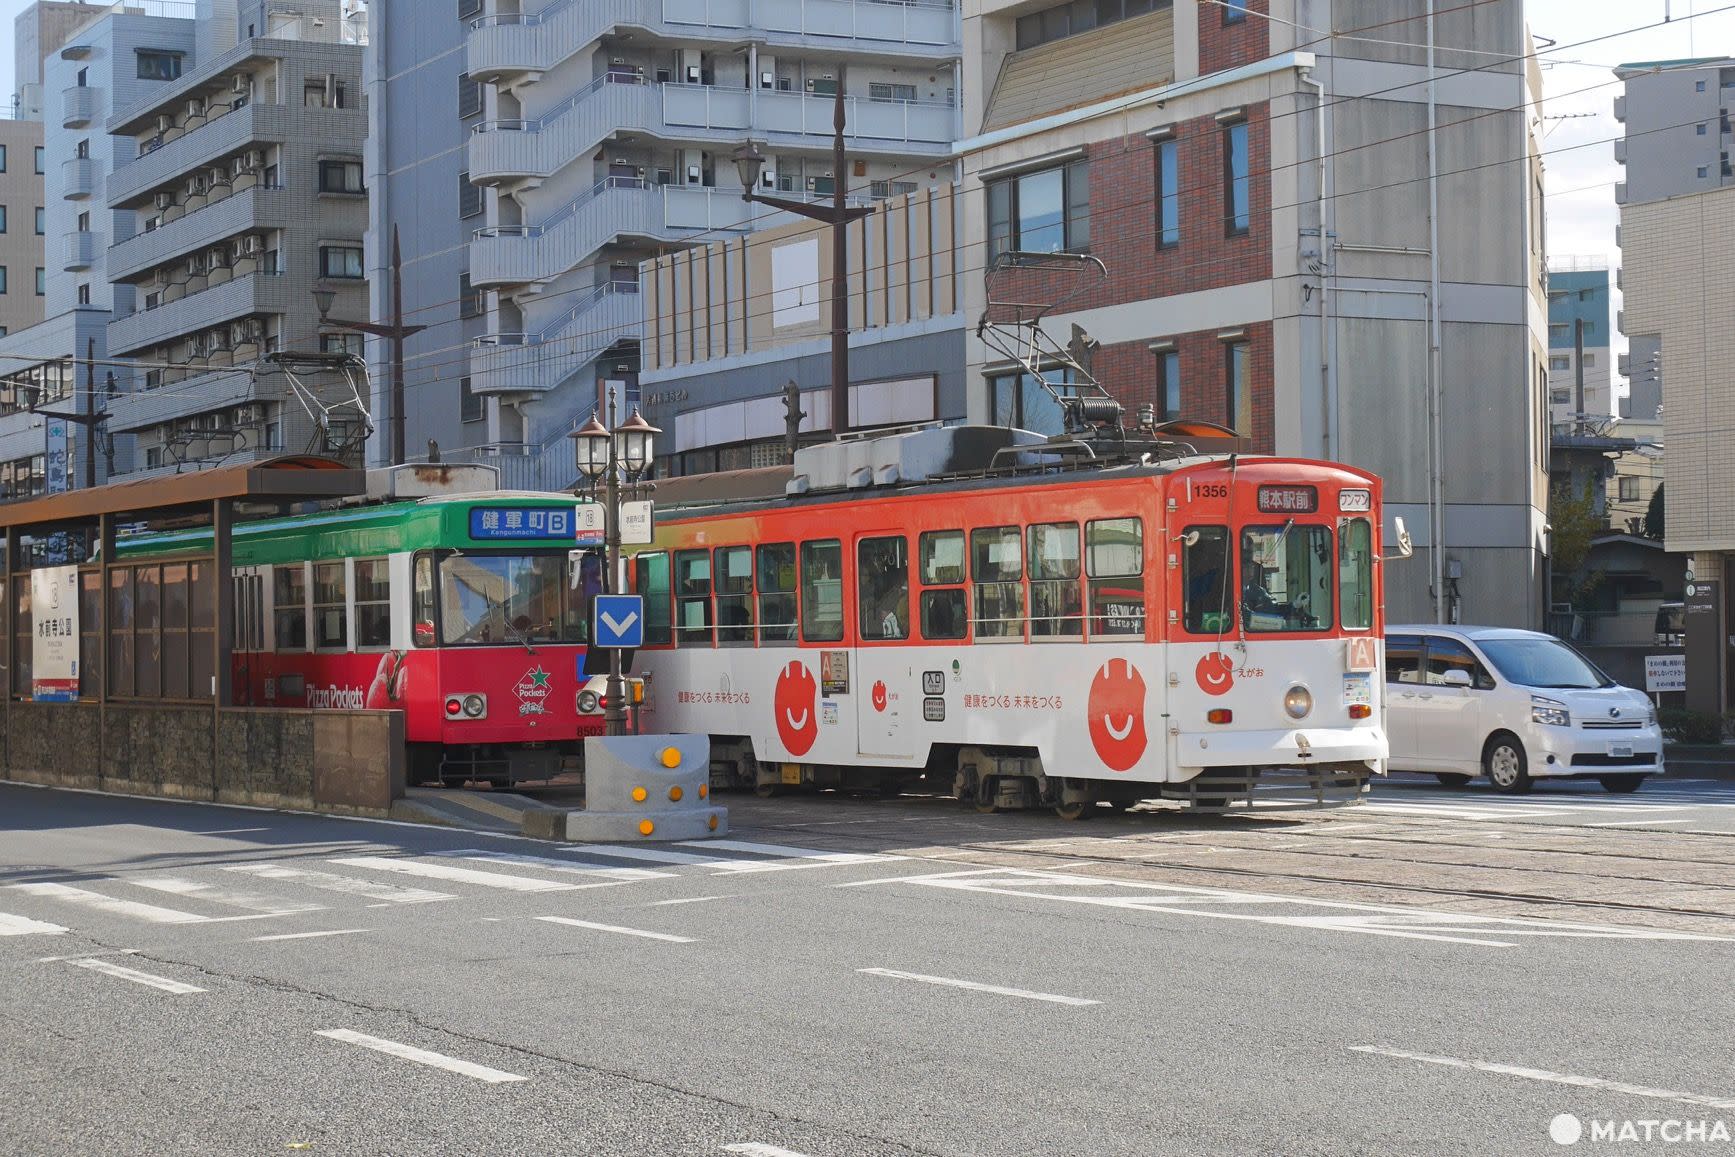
(1620, 750)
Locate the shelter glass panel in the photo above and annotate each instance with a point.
(120, 633)
(147, 638)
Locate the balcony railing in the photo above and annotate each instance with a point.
(80, 250)
(78, 178)
(78, 106)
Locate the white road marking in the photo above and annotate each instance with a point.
(610, 875)
(649, 855)
(257, 903)
(137, 977)
(780, 850)
(149, 913)
(756, 1149)
(1553, 1078)
(312, 935)
(1323, 915)
(421, 1056)
(86, 955)
(1635, 823)
(567, 920)
(11, 925)
(231, 831)
(459, 875)
(346, 885)
(973, 986)
(686, 900)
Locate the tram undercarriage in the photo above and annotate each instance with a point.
(994, 779)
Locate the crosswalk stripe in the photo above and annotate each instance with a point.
(787, 852)
(345, 885)
(457, 874)
(11, 925)
(149, 913)
(249, 900)
(149, 979)
(648, 855)
(611, 875)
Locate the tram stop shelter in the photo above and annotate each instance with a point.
(149, 708)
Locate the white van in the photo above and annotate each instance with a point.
(1515, 706)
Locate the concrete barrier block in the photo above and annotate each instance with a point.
(647, 787)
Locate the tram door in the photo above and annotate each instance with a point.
(886, 683)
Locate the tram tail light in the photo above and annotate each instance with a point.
(1360, 711)
(1219, 715)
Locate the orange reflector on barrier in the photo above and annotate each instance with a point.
(646, 827)
(675, 794)
(711, 823)
(639, 795)
(671, 757)
(704, 790)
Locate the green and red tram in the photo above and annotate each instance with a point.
(468, 613)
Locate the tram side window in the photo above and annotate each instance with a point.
(693, 598)
(373, 604)
(945, 611)
(777, 592)
(330, 611)
(1056, 606)
(997, 565)
(1286, 578)
(734, 568)
(822, 591)
(425, 599)
(1115, 566)
(289, 598)
(1355, 574)
(652, 579)
(1205, 579)
(883, 587)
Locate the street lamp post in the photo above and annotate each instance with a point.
(611, 457)
(395, 332)
(749, 162)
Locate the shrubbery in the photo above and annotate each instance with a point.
(1684, 725)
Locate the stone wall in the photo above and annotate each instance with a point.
(350, 762)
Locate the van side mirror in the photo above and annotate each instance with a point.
(1456, 679)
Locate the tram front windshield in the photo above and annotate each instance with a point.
(493, 599)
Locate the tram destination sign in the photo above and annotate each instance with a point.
(1288, 499)
(519, 523)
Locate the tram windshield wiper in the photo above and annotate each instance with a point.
(511, 632)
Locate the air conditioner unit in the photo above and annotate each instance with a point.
(164, 200)
(160, 276)
(218, 340)
(216, 258)
(240, 333)
(165, 122)
(219, 175)
(196, 107)
(255, 158)
(249, 414)
(196, 264)
(201, 185)
(241, 84)
(196, 349)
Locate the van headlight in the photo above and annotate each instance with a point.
(1298, 701)
(1549, 711)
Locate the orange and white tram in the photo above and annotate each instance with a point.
(1026, 627)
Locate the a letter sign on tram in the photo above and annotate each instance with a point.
(1288, 499)
(520, 523)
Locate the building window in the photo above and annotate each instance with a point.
(41, 220)
(1698, 86)
(1557, 329)
(1234, 11)
(1629, 488)
(469, 97)
(158, 65)
(327, 93)
(82, 149)
(2, 279)
(1168, 194)
(1559, 362)
(1069, 19)
(470, 407)
(1238, 398)
(341, 343)
(469, 197)
(1698, 129)
(469, 8)
(41, 161)
(340, 177)
(41, 281)
(1237, 214)
(2, 218)
(880, 91)
(1589, 360)
(1021, 401)
(340, 261)
(84, 294)
(2, 158)
(469, 301)
(1042, 212)
(1168, 385)
(1704, 170)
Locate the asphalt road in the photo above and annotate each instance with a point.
(853, 977)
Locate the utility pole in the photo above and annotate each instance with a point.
(395, 332)
(87, 416)
(749, 161)
(792, 416)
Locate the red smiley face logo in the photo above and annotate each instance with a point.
(879, 696)
(1117, 714)
(1216, 673)
(794, 704)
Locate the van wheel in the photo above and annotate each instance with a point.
(1505, 763)
(1448, 779)
(1621, 784)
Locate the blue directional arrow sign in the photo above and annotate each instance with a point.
(620, 621)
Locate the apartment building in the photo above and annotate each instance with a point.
(241, 180)
(21, 225)
(1677, 207)
(1331, 245)
(1581, 377)
(597, 134)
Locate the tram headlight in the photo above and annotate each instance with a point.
(475, 706)
(588, 702)
(1298, 701)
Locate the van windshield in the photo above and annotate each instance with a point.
(1542, 663)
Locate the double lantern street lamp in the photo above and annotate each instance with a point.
(610, 457)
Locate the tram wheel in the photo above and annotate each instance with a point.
(767, 790)
(985, 796)
(1075, 809)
